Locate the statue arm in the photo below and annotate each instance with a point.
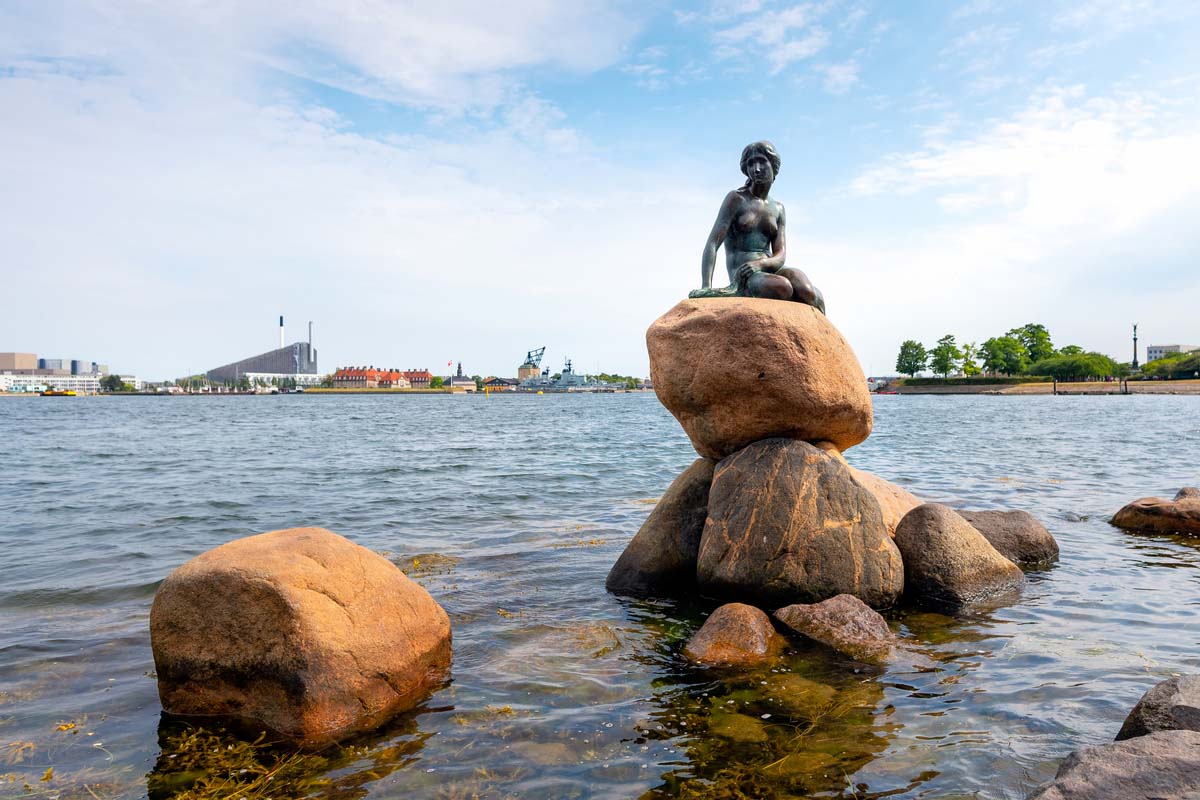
(716, 237)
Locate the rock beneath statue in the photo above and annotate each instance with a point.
(894, 501)
(741, 369)
(300, 631)
(948, 562)
(1156, 515)
(660, 560)
(1159, 765)
(788, 524)
(845, 624)
(1173, 705)
(735, 635)
(1016, 535)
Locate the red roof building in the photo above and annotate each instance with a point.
(369, 378)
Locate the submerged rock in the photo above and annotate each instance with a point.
(948, 562)
(660, 560)
(894, 501)
(787, 524)
(1016, 535)
(299, 630)
(1156, 515)
(1160, 765)
(734, 635)
(1172, 705)
(844, 623)
(739, 369)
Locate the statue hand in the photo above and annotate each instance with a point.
(743, 273)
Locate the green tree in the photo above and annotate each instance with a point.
(1004, 354)
(912, 358)
(478, 383)
(945, 356)
(1036, 339)
(969, 365)
(436, 382)
(112, 383)
(1076, 367)
(1070, 350)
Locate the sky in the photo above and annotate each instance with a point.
(466, 181)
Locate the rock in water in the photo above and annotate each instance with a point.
(1016, 535)
(948, 562)
(788, 524)
(660, 560)
(893, 501)
(300, 630)
(1172, 705)
(1156, 515)
(1153, 767)
(844, 623)
(739, 369)
(734, 635)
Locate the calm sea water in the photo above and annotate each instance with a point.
(515, 508)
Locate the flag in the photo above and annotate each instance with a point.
(449, 363)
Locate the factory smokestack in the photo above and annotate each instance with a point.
(280, 330)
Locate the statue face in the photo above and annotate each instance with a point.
(759, 169)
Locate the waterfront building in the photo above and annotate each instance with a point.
(294, 362)
(500, 384)
(12, 362)
(369, 378)
(460, 381)
(49, 363)
(1157, 351)
(14, 382)
(418, 378)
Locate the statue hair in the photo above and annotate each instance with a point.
(763, 148)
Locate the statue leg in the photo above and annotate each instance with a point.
(770, 286)
(802, 288)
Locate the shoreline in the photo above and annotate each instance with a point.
(1184, 387)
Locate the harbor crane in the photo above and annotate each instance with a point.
(534, 357)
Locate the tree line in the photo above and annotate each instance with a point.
(1027, 350)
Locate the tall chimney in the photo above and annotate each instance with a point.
(311, 357)
(280, 330)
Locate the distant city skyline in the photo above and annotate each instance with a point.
(458, 181)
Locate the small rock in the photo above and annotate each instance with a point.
(1156, 515)
(948, 562)
(739, 369)
(894, 501)
(734, 635)
(844, 623)
(1172, 705)
(788, 524)
(831, 449)
(1017, 535)
(737, 727)
(798, 696)
(660, 560)
(300, 630)
(1157, 766)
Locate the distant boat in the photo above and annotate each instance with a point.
(58, 393)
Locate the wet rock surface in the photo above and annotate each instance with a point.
(660, 560)
(1016, 535)
(734, 635)
(1160, 765)
(1156, 515)
(788, 524)
(1172, 705)
(894, 501)
(737, 370)
(300, 630)
(844, 623)
(947, 562)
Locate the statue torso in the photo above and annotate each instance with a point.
(755, 226)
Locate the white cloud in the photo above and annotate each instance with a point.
(782, 37)
(840, 78)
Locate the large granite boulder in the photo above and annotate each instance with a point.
(301, 631)
(844, 623)
(735, 370)
(894, 501)
(660, 560)
(788, 524)
(1017, 535)
(947, 562)
(1172, 705)
(734, 635)
(1157, 766)
(1156, 515)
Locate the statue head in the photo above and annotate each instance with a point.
(764, 149)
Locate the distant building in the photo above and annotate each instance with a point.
(295, 362)
(500, 384)
(419, 378)
(1157, 351)
(460, 381)
(11, 362)
(49, 363)
(369, 378)
(10, 382)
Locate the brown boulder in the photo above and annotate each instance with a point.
(787, 524)
(894, 501)
(844, 623)
(734, 635)
(660, 560)
(1017, 535)
(299, 630)
(1157, 766)
(1172, 705)
(740, 369)
(1156, 515)
(946, 561)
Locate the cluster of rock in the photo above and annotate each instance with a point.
(1156, 753)
(770, 394)
(1156, 515)
(301, 631)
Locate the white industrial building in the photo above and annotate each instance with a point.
(1157, 351)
